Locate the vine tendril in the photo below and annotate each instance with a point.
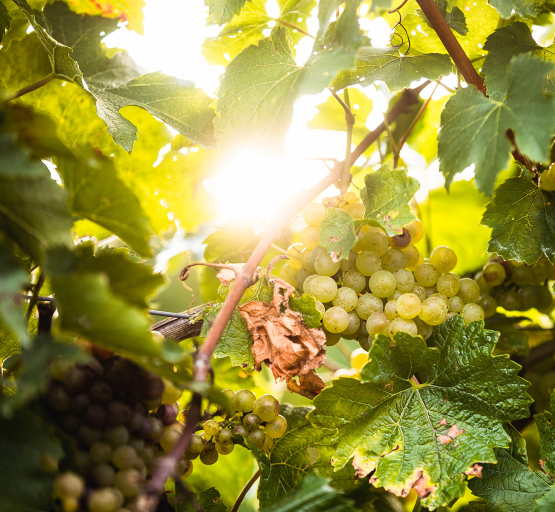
(396, 34)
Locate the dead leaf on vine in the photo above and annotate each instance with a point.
(283, 341)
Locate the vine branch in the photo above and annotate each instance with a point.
(32, 87)
(245, 490)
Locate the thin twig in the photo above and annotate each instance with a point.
(446, 87)
(349, 116)
(394, 148)
(245, 490)
(284, 251)
(349, 122)
(294, 27)
(32, 87)
(34, 298)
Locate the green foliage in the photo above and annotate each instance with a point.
(208, 500)
(5, 20)
(222, 11)
(547, 437)
(306, 306)
(473, 127)
(338, 234)
(425, 435)
(455, 17)
(524, 8)
(229, 243)
(519, 213)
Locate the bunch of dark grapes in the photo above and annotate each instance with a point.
(385, 286)
(515, 286)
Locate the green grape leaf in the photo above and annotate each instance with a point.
(9, 344)
(473, 127)
(23, 441)
(63, 66)
(313, 495)
(222, 11)
(208, 500)
(337, 233)
(547, 502)
(96, 193)
(386, 196)
(5, 20)
(346, 28)
(306, 306)
(511, 339)
(425, 436)
(395, 69)
(504, 44)
(524, 8)
(510, 484)
(230, 243)
(303, 450)
(258, 89)
(454, 18)
(33, 208)
(544, 421)
(523, 220)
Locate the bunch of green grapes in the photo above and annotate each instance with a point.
(515, 286)
(385, 286)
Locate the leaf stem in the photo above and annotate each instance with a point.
(394, 147)
(349, 122)
(245, 490)
(32, 87)
(294, 27)
(34, 298)
(447, 88)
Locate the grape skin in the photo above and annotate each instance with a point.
(408, 306)
(336, 320)
(402, 325)
(368, 304)
(346, 299)
(323, 289)
(382, 283)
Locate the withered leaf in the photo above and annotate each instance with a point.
(284, 342)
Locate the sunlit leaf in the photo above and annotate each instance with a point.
(337, 233)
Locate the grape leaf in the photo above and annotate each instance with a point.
(306, 306)
(222, 11)
(258, 89)
(395, 69)
(337, 233)
(23, 441)
(511, 339)
(523, 220)
(524, 8)
(386, 196)
(510, 485)
(230, 243)
(5, 20)
(208, 500)
(346, 28)
(544, 421)
(547, 502)
(473, 127)
(454, 18)
(425, 436)
(504, 44)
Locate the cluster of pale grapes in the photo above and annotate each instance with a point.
(384, 286)
(547, 179)
(515, 286)
(120, 418)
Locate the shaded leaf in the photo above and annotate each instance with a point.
(230, 243)
(346, 28)
(473, 127)
(209, 501)
(454, 18)
(511, 339)
(547, 502)
(386, 196)
(5, 20)
(306, 306)
(222, 11)
(337, 233)
(544, 421)
(523, 220)
(525, 8)
(425, 436)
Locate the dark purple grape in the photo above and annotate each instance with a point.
(75, 381)
(57, 398)
(95, 416)
(150, 386)
(101, 392)
(70, 423)
(135, 423)
(93, 369)
(145, 432)
(78, 403)
(118, 413)
(166, 414)
(139, 408)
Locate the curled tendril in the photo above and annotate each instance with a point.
(396, 35)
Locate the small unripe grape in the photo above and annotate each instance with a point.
(469, 290)
(382, 283)
(104, 500)
(128, 482)
(288, 274)
(402, 325)
(257, 437)
(302, 275)
(336, 320)
(408, 305)
(310, 237)
(267, 407)
(394, 296)
(243, 400)
(355, 280)
(419, 291)
(354, 323)
(547, 180)
(455, 304)
(211, 428)
(405, 280)
(332, 338)
(443, 259)
(148, 454)
(448, 285)
(313, 213)
(224, 449)
(368, 304)
(485, 287)
(472, 313)
(307, 283)
(323, 289)
(294, 251)
(103, 475)
(393, 260)
(59, 368)
(276, 428)
(494, 273)
(169, 439)
(510, 301)
(413, 256)
(424, 329)
(325, 266)
(229, 393)
(375, 241)
(100, 453)
(88, 436)
(377, 323)
(368, 263)
(116, 436)
(196, 444)
(209, 458)
(488, 304)
(359, 358)
(319, 306)
(171, 393)
(390, 310)
(442, 297)
(356, 211)
(251, 421)
(305, 260)
(416, 231)
(346, 299)
(124, 457)
(317, 251)
(430, 291)
(240, 430)
(185, 470)
(523, 275)
(426, 275)
(224, 436)
(433, 311)
(68, 485)
(350, 197)
(157, 430)
(268, 444)
(349, 263)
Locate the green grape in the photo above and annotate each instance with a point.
(294, 251)
(355, 280)
(442, 297)
(349, 263)
(229, 393)
(455, 304)
(310, 237)
(350, 197)
(157, 430)
(405, 280)
(170, 437)
(267, 407)
(243, 400)
(183, 466)
(68, 485)
(416, 231)
(305, 260)
(394, 260)
(394, 296)
(354, 324)
(382, 283)
(494, 273)
(336, 320)
(148, 454)
(510, 301)
(402, 325)
(368, 263)
(137, 444)
(346, 299)
(124, 457)
(377, 323)
(408, 305)
(257, 438)
(187, 472)
(368, 304)
(224, 449)
(469, 290)
(251, 421)
(390, 310)
(419, 291)
(535, 296)
(485, 287)
(104, 500)
(211, 428)
(412, 254)
(426, 275)
(313, 213)
(430, 291)
(277, 428)
(488, 304)
(332, 338)
(375, 241)
(196, 444)
(424, 329)
(319, 306)
(448, 285)
(472, 313)
(268, 444)
(289, 274)
(302, 275)
(209, 458)
(224, 436)
(100, 453)
(323, 289)
(128, 482)
(356, 210)
(540, 273)
(433, 311)
(88, 436)
(103, 475)
(317, 251)
(443, 259)
(523, 275)
(325, 266)
(308, 282)
(240, 430)
(547, 180)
